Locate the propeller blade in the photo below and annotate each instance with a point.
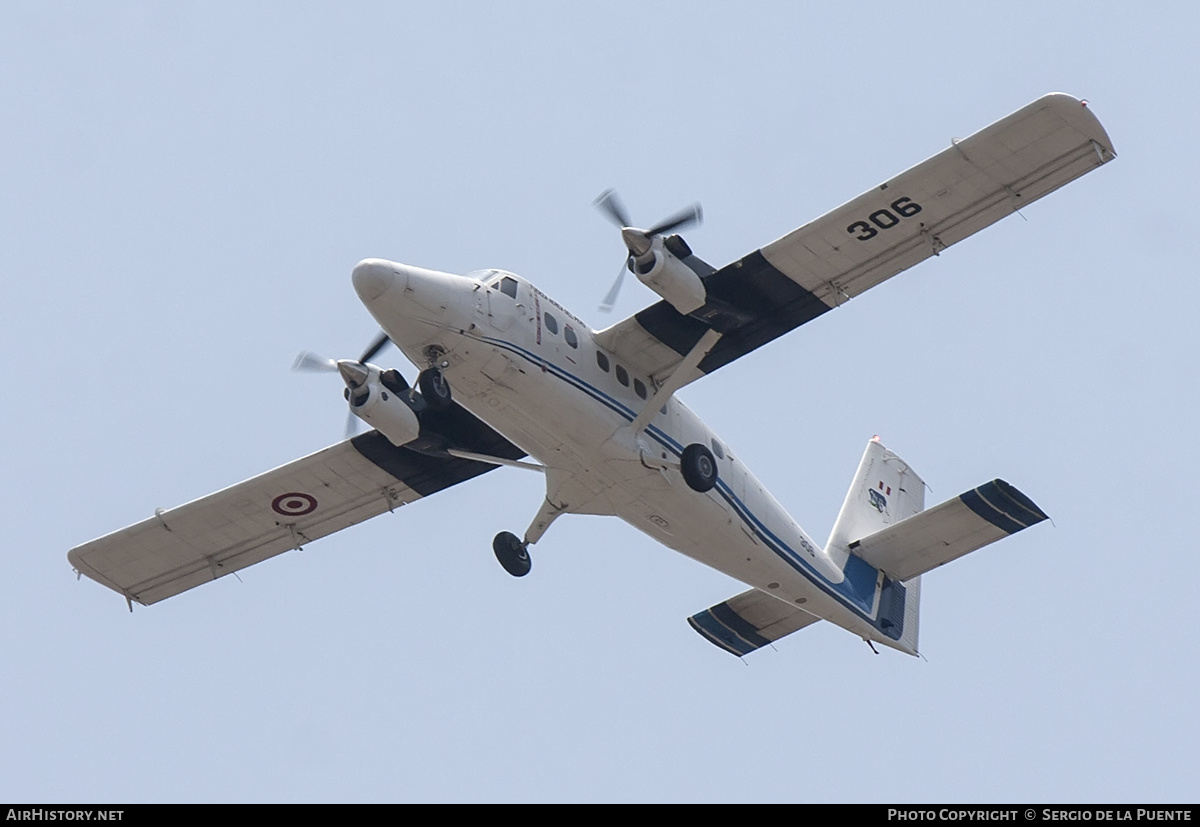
(638, 242)
(686, 216)
(314, 363)
(377, 345)
(609, 204)
(351, 424)
(607, 305)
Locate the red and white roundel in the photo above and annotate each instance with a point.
(294, 504)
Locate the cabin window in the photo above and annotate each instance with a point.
(569, 335)
(602, 361)
(718, 449)
(622, 376)
(551, 322)
(639, 388)
(508, 286)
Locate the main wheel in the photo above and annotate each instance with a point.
(434, 388)
(512, 554)
(699, 467)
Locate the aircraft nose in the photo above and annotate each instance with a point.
(372, 277)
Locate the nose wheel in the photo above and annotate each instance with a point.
(512, 554)
(434, 388)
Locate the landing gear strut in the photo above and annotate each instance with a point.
(512, 554)
(434, 388)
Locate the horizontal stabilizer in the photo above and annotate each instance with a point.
(946, 532)
(749, 621)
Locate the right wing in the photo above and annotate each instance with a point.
(337, 487)
(889, 228)
(749, 621)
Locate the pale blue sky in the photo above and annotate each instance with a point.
(183, 191)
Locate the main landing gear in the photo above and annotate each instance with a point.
(512, 554)
(696, 463)
(699, 467)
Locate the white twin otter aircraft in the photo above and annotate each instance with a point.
(507, 374)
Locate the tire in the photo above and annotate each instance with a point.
(512, 554)
(434, 389)
(699, 467)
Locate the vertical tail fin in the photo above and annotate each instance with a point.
(885, 490)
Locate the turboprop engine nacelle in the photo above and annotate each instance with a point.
(666, 275)
(384, 409)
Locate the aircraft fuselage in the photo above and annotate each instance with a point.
(533, 371)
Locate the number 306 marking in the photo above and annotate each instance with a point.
(884, 219)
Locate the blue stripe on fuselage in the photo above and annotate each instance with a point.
(850, 591)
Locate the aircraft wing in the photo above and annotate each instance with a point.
(946, 532)
(972, 184)
(337, 487)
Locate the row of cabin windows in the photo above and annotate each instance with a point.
(572, 339)
(639, 387)
(508, 286)
(568, 331)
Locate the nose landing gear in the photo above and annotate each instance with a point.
(434, 388)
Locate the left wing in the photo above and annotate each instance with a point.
(886, 230)
(337, 487)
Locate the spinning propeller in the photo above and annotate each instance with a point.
(637, 241)
(354, 373)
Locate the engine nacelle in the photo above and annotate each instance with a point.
(670, 278)
(384, 410)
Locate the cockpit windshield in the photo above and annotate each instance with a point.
(500, 280)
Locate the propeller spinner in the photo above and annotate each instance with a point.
(354, 372)
(638, 242)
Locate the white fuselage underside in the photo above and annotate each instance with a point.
(554, 401)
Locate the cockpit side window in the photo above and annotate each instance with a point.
(508, 286)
